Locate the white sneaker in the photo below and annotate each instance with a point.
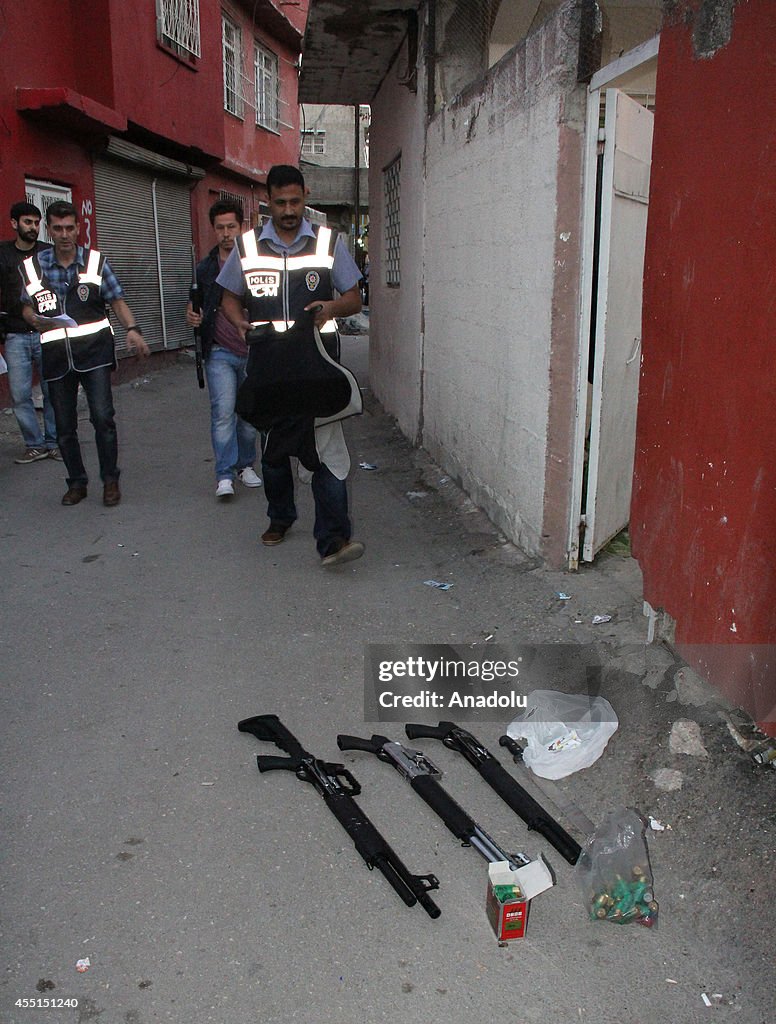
(250, 477)
(225, 490)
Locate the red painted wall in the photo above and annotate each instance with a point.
(90, 21)
(161, 93)
(107, 51)
(249, 145)
(703, 520)
(26, 148)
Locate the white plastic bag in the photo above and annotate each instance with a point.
(565, 731)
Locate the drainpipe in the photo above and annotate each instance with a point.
(357, 162)
(159, 261)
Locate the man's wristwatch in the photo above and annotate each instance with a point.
(134, 327)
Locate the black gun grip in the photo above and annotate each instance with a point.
(263, 727)
(345, 742)
(270, 729)
(271, 763)
(433, 732)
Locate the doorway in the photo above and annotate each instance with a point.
(615, 202)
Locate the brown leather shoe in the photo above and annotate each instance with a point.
(275, 534)
(111, 495)
(74, 494)
(345, 551)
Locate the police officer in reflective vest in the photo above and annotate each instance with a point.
(284, 276)
(72, 285)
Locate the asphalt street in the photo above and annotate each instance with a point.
(138, 833)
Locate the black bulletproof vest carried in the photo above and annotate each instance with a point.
(293, 383)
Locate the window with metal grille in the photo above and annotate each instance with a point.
(391, 195)
(232, 51)
(177, 26)
(42, 194)
(267, 79)
(233, 197)
(314, 142)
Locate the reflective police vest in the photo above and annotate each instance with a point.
(278, 287)
(89, 344)
(293, 383)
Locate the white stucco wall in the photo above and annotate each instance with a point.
(395, 336)
(491, 195)
(476, 316)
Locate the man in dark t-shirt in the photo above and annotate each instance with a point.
(226, 355)
(22, 349)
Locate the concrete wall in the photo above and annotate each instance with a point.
(396, 329)
(486, 308)
(492, 206)
(338, 121)
(702, 522)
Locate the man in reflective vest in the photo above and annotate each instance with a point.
(283, 276)
(73, 285)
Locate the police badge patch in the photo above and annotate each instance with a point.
(83, 292)
(312, 280)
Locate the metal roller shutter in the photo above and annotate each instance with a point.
(173, 210)
(124, 212)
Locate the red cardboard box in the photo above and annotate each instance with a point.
(509, 919)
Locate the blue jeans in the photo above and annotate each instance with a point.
(234, 440)
(21, 351)
(332, 524)
(64, 398)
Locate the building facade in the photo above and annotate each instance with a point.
(143, 115)
(336, 166)
(517, 332)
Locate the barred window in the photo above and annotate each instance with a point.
(42, 194)
(391, 194)
(314, 142)
(177, 26)
(267, 79)
(235, 197)
(232, 52)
